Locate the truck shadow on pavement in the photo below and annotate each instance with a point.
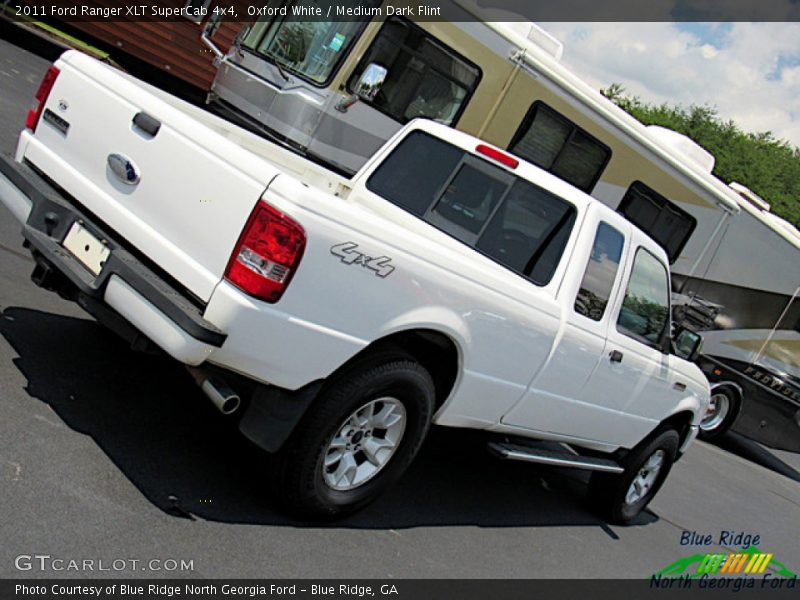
(149, 418)
(746, 448)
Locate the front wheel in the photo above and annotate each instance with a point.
(720, 414)
(359, 437)
(621, 497)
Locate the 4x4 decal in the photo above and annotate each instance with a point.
(349, 255)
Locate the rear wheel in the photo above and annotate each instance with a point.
(621, 497)
(359, 437)
(720, 414)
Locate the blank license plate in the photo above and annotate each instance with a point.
(86, 247)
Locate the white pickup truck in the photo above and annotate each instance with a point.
(447, 282)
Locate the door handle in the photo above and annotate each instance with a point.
(615, 356)
(147, 124)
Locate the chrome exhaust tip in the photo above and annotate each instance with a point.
(221, 395)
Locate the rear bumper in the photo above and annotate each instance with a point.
(148, 303)
(148, 300)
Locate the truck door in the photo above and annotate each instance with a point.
(635, 369)
(562, 398)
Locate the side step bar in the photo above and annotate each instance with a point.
(509, 451)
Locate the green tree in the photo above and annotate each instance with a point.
(768, 166)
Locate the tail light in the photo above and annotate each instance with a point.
(41, 98)
(267, 254)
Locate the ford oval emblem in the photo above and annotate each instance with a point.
(124, 169)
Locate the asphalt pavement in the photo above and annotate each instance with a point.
(106, 454)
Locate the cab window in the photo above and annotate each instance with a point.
(644, 315)
(512, 221)
(601, 271)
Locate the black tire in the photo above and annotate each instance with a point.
(298, 466)
(607, 491)
(711, 434)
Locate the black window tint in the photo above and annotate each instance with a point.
(645, 310)
(601, 271)
(529, 231)
(470, 198)
(545, 260)
(658, 217)
(425, 78)
(554, 143)
(415, 172)
(516, 223)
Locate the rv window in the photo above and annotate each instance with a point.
(251, 35)
(658, 217)
(425, 79)
(645, 310)
(508, 219)
(311, 50)
(553, 142)
(600, 273)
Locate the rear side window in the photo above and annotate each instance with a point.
(551, 141)
(519, 225)
(645, 310)
(601, 271)
(659, 218)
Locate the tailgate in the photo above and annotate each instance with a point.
(192, 189)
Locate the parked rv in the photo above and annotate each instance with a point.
(335, 91)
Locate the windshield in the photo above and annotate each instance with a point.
(309, 49)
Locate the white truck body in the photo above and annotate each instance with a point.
(527, 363)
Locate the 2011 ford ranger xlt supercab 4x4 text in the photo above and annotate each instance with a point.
(447, 282)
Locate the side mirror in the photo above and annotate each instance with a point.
(371, 81)
(366, 88)
(687, 344)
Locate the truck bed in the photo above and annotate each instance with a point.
(284, 158)
(197, 176)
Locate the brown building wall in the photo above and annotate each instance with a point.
(172, 46)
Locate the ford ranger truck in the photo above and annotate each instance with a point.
(336, 320)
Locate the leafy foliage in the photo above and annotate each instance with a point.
(768, 166)
(643, 317)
